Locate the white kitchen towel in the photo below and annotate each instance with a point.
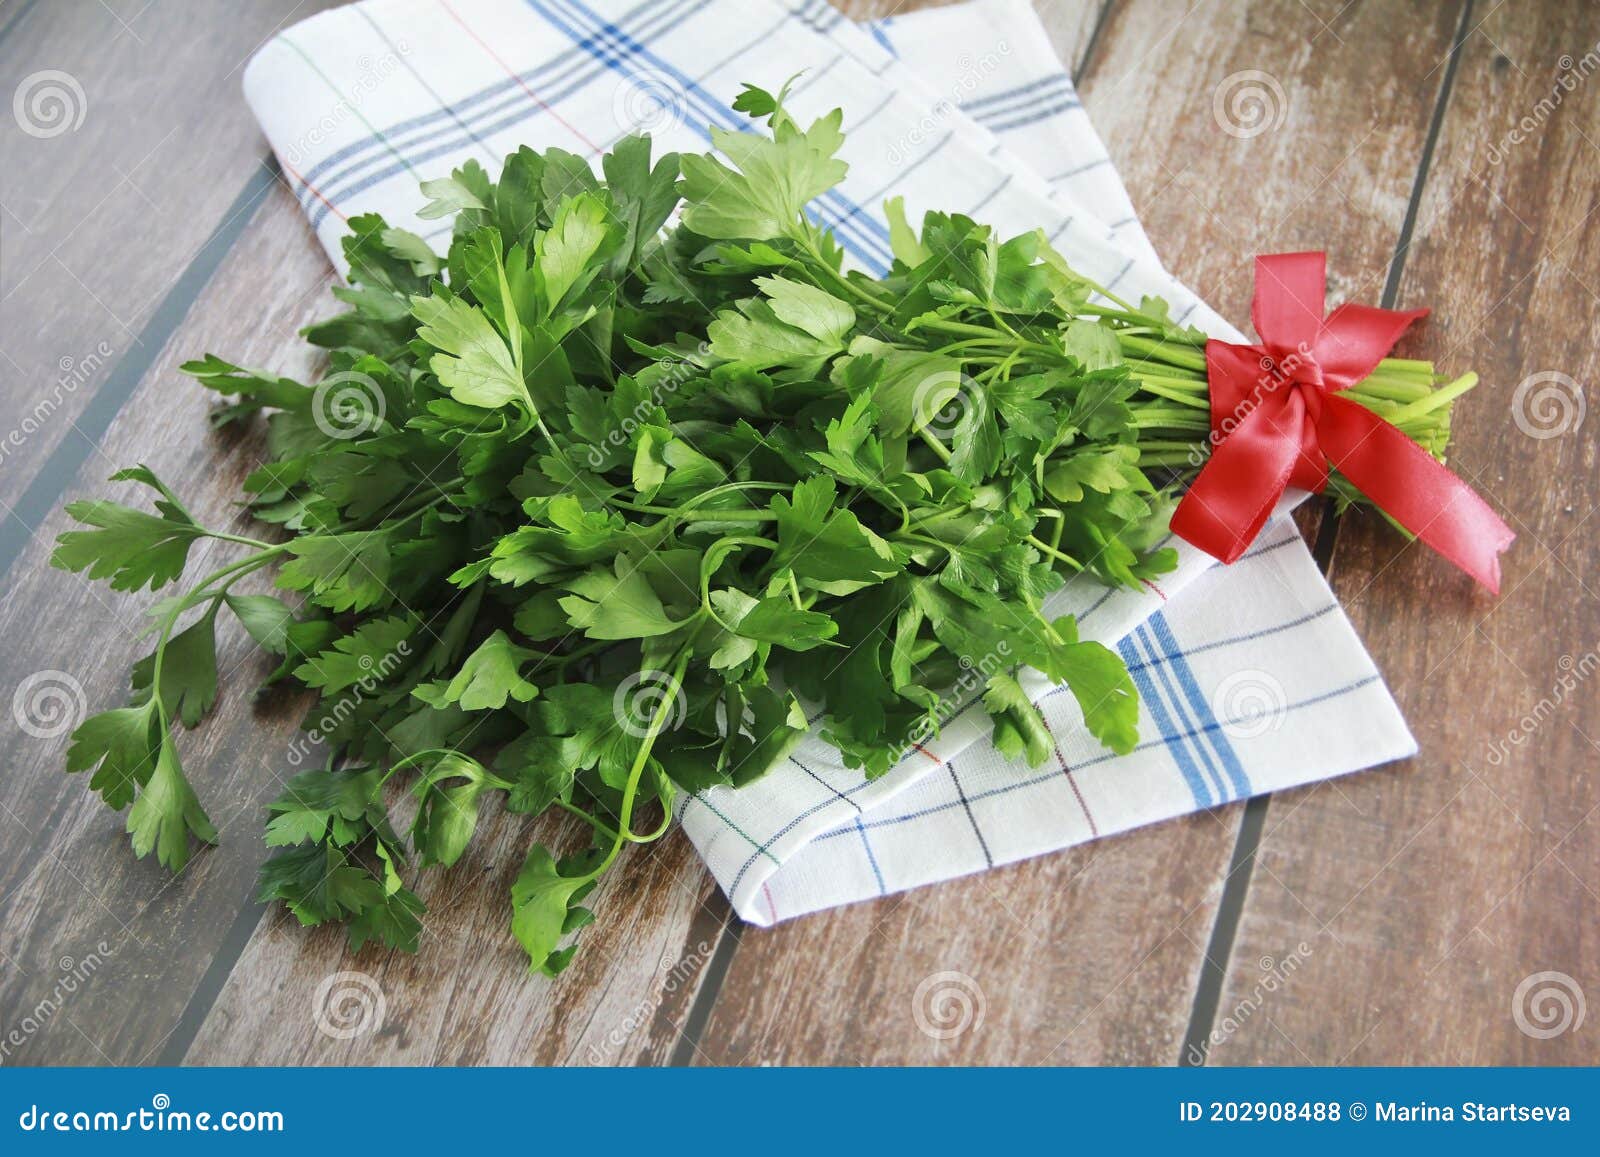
(1253, 681)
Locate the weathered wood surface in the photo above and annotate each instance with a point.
(117, 175)
(71, 886)
(68, 881)
(1430, 894)
(1426, 893)
(1079, 956)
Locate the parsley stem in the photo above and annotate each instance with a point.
(606, 829)
(712, 559)
(994, 337)
(808, 243)
(561, 454)
(197, 594)
(741, 515)
(934, 444)
(1163, 350)
(675, 514)
(1054, 553)
(1197, 401)
(415, 757)
(1131, 317)
(242, 540)
(631, 791)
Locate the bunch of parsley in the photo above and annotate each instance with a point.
(590, 512)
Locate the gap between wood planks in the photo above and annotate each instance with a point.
(16, 18)
(1235, 888)
(1230, 909)
(61, 469)
(705, 1000)
(63, 466)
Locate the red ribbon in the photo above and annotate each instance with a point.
(1277, 420)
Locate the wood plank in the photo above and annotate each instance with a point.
(464, 998)
(1042, 962)
(1093, 955)
(69, 888)
(73, 886)
(1071, 24)
(68, 881)
(1428, 894)
(99, 221)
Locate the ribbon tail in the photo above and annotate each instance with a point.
(1412, 487)
(1235, 492)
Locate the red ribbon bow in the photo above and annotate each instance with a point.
(1277, 420)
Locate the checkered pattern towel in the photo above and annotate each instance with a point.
(1251, 682)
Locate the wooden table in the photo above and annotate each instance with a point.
(1385, 918)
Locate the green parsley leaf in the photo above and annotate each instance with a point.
(167, 812)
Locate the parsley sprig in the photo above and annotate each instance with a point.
(593, 511)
